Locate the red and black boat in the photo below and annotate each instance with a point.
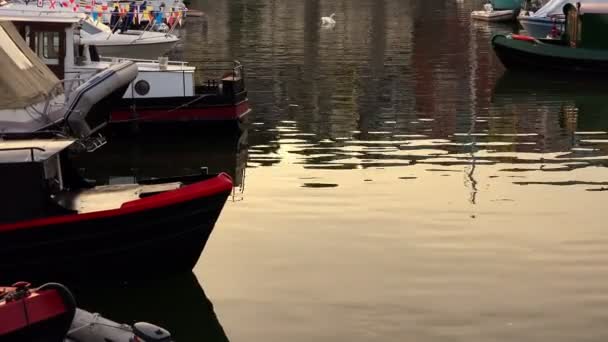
(222, 99)
(53, 223)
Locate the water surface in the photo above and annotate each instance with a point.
(394, 183)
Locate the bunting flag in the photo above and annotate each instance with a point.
(53, 4)
(40, 4)
(171, 19)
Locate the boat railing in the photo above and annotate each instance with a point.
(28, 148)
(149, 61)
(233, 71)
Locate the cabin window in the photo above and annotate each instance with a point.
(13, 51)
(47, 47)
(90, 29)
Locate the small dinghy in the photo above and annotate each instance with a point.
(91, 327)
(492, 15)
(49, 314)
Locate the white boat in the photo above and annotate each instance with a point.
(490, 14)
(33, 99)
(117, 43)
(548, 18)
(164, 91)
(131, 44)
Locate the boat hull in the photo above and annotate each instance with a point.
(178, 110)
(539, 27)
(130, 243)
(525, 55)
(137, 50)
(506, 4)
(493, 16)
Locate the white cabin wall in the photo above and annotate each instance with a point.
(163, 84)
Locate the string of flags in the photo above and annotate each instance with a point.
(103, 12)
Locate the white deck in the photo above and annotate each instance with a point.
(109, 197)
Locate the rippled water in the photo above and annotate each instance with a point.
(393, 184)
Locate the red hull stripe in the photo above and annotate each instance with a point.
(40, 307)
(219, 184)
(522, 37)
(186, 114)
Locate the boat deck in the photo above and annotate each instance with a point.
(109, 197)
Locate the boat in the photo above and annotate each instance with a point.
(49, 314)
(163, 92)
(123, 42)
(55, 224)
(59, 225)
(500, 5)
(129, 44)
(541, 22)
(580, 49)
(34, 100)
(492, 15)
(549, 20)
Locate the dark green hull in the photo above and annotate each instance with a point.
(525, 55)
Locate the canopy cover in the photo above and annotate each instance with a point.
(556, 7)
(24, 78)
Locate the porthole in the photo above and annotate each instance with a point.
(142, 87)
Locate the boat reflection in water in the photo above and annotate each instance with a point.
(580, 101)
(177, 303)
(568, 114)
(154, 153)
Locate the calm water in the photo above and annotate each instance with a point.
(394, 184)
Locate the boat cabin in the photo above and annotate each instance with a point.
(586, 25)
(31, 171)
(55, 38)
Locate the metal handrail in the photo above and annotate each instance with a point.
(31, 149)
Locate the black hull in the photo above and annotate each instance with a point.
(143, 244)
(519, 59)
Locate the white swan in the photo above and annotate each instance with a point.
(328, 20)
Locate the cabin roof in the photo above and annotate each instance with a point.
(589, 7)
(9, 13)
(21, 151)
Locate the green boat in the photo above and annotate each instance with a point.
(500, 5)
(582, 48)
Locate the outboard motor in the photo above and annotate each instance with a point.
(91, 327)
(150, 333)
